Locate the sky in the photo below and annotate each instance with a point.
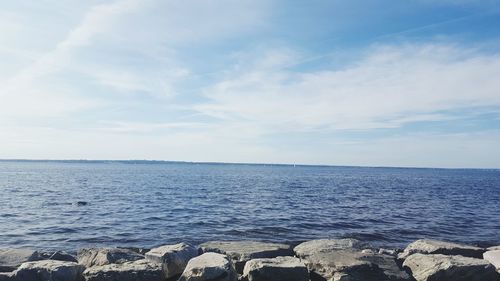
(412, 83)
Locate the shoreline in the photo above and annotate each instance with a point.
(315, 260)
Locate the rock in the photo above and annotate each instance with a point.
(389, 252)
(353, 265)
(11, 259)
(102, 256)
(326, 245)
(427, 246)
(209, 267)
(49, 270)
(276, 269)
(7, 276)
(438, 267)
(494, 258)
(173, 258)
(243, 251)
(142, 270)
(58, 255)
(494, 248)
(141, 251)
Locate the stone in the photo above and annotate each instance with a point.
(326, 245)
(11, 259)
(242, 251)
(389, 252)
(209, 267)
(438, 267)
(58, 255)
(7, 276)
(428, 246)
(494, 258)
(173, 258)
(102, 256)
(494, 248)
(276, 269)
(139, 270)
(49, 270)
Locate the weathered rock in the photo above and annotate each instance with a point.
(58, 255)
(276, 269)
(11, 259)
(102, 256)
(7, 276)
(428, 246)
(49, 270)
(326, 245)
(494, 258)
(494, 248)
(243, 251)
(173, 258)
(438, 267)
(209, 267)
(354, 265)
(142, 270)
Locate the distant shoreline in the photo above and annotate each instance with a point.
(149, 162)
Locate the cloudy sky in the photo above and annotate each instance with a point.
(373, 82)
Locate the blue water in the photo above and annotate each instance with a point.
(151, 204)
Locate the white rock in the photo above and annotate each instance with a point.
(173, 258)
(102, 256)
(243, 251)
(49, 270)
(493, 257)
(140, 270)
(437, 267)
(326, 245)
(209, 267)
(11, 259)
(276, 269)
(428, 246)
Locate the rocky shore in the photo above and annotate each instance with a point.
(322, 259)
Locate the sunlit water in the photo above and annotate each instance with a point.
(151, 204)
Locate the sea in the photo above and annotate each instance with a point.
(67, 205)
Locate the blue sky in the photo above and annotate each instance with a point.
(378, 83)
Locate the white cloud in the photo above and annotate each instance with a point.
(389, 87)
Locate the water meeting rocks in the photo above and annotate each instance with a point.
(140, 270)
(102, 256)
(173, 258)
(209, 267)
(438, 267)
(10, 259)
(49, 270)
(326, 245)
(428, 246)
(242, 251)
(276, 269)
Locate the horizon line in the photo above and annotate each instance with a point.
(149, 161)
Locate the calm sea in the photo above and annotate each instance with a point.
(151, 204)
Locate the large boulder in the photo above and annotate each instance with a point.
(353, 265)
(243, 251)
(11, 259)
(102, 256)
(276, 269)
(428, 246)
(209, 267)
(49, 270)
(142, 270)
(326, 245)
(437, 267)
(494, 258)
(173, 258)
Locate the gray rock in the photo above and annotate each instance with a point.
(209, 267)
(276, 269)
(428, 246)
(493, 257)
(242, 251)
(7, 276)
(173, 258)
(494, 248)
(102, 256)
(49, 270)
(58, 255)
(437, 267)
(354, 265)
(142, 270)
(11, 259)
(326, 245)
